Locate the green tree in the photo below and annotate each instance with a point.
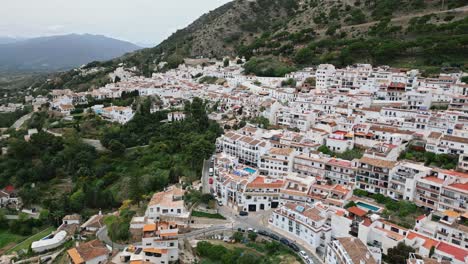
(399, 253)
(238, 236)
(135, 189)
(226, 62)
(116, 147)
(252, 236)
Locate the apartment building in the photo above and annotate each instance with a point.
(160, 242)
(451, 228)
(350, 250)
(309, 165)
(277, 162)
(403, 177)
(428, 192)
(373, 174)
(339, 171)
(442, 190)
(246, 148)
(304, 222)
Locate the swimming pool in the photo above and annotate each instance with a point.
(250, 170)
(368, 206)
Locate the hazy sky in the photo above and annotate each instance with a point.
(143, 21)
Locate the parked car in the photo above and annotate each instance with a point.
(243, 213)
(303, 254)
(294, 247)
(220, 203)
(250, 229)
(275, 237)
(263, 233)
(285, 241)
(309, 261)
(240, 230)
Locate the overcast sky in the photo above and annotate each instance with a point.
(139, 21)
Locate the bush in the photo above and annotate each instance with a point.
(238, 236)
(360, 193)
(288, 83)
(207, 215)
(350, 204)
(267, 67)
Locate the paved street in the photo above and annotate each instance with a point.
(259, 221)
(104, 237)
(205, 176)
(21, 121)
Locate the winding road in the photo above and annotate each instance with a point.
(21, 121)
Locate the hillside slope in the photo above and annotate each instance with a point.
(405, 33)
(60, 52)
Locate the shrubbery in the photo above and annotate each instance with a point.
(268, 67)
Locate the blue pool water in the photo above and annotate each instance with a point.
(250, 170)
(368, 206)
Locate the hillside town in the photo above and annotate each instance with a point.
(325, 160)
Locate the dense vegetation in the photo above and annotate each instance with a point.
(269, 67)
(348, 154)
(79, 179)
(260, 252)
(444, 161)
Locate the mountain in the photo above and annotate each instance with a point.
(428, 34)
(8, 40)
(60, 52)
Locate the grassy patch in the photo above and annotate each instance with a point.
(6, 238)
(207, 215)
(215, 251)
(26, 244)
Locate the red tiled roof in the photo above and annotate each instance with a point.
(9, 189)
(260, 182)
(428, 242)
(456, 252)
(460, 186)
(357, 211)
(420, 217)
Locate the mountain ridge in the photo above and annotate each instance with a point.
(61, 52)
(403, 33)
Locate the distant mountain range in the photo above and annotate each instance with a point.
(8, 40)
(56, 53)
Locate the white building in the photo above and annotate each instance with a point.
(49, 242)
(118, 114)
(168, 204)
(160, 242)
(303, 222)
(350, 250)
